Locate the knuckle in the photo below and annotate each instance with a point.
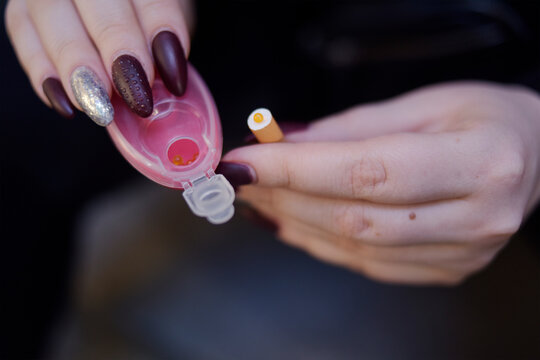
(153, 7)
(288, 174)
(471, 264)
(110, 32)
(509, 170)
(38, 7)
(509, 225)
(480, 262)
(350, 221)
(366, 176)
(64, 48)
(499, 229)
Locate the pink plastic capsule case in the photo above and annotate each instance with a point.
(178, 146)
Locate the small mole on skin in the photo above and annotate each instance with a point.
(412, 215)
(377, 234)
(458, 140)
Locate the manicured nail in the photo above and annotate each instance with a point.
(170, 61)
(250, 139)
(92, 96)
(290, 127)
(132, 84)
(58, 98)
(286, 128)
(258, 219)
(237, 174)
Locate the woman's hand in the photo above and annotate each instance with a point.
(422, 189)
(73, 51)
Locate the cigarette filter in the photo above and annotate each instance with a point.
(263, 126)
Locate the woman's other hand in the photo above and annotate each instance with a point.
(422, 189)
(75, 51)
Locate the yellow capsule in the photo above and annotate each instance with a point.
(177, 160)
(258, 118)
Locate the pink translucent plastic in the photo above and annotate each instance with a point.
(180, 142)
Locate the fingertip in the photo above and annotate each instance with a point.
(238, 174)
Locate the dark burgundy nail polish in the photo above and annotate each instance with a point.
(132, 84)
(170, 61)
(250, 139)
(258, 219)
(290, 127)
(237, 174)
(56, 94)
(286, 128)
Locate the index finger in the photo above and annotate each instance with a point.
(396, 169)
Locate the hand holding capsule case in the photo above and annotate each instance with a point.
(178, 146)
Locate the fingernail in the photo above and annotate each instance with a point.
(250, 139)
(170, 61)
(290, 127)
(237, 174)
(132, 84)
(258, 219)
(286, 127)
(92, 96)
(54, 91)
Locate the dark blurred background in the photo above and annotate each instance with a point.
(304, 60)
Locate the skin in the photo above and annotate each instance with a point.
(425, 188)
(53, 37)
(422, 189)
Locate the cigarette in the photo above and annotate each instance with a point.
(263, 125)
